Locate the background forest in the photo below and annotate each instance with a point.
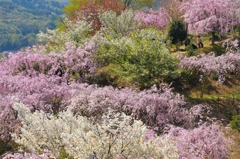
(21, 20)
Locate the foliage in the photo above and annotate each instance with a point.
(90, 10)
(117, 136)
(235, 122)
(155, 65)
(73, 6)
(177, 31)
(138, 4)
(189, 50)
(44, 88)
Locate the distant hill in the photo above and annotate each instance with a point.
(21, 20)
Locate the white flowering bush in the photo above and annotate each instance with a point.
(118, 25)
(116, 136)
(77, 33)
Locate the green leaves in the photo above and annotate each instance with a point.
(139, 4)
(177, 31)
(142, 55)
(235, 122)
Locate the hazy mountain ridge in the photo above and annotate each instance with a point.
(21, 20)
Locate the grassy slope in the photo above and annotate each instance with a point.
(223, 99)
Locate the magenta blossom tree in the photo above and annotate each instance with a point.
(210, 16)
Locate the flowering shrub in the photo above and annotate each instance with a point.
(154, 109)
(77, 33)
(118, 26)
(208, 64)
(116, 136)
(29, 63)
(39, 93)
(8, 119)
(75, 62)
(202, 142)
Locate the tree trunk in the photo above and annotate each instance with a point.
(213, 36)
(201, 91)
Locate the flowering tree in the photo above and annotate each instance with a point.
(210, 16)
(172, 8)
(157, 18)
(169, 11)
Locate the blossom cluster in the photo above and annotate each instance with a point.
(116, 136)
(157, 18)
(210, 16)
(209, 64)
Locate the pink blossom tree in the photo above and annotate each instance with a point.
(206, 141)
(210, 16)
(157, 18)
(209, 64)
(160, 18)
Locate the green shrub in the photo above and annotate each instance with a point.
(4, 147)
(217, 49)
(177, 31)
(235, 122)
(190, 50)
(142, 57)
